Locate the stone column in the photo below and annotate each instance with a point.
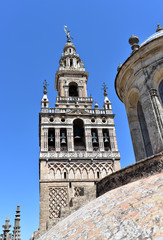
(88, 139)
(115, 140)
(70, 139)
(66, 91)
(100, 139)
(80, 91)
(84, 89)
(44, 139)
(157, 108)
(67, 62)
(112, 137)
(57, 139)
(62, 93)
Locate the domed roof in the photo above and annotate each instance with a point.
(133, 211)
(68, 45)
(155, 35)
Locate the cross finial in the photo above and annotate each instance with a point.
(104, 87)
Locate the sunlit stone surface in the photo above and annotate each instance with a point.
(133, 211)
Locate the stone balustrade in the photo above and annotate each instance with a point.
(66, 110)
(78, 99)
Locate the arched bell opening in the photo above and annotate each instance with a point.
(51, 139)
(79, 136)
(95, 142)
(73, 89)
(106, 139)
(71, 63)
(144, 130)
(160, 90)
(63, 139)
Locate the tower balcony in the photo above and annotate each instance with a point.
(75, 99)
(67, 110)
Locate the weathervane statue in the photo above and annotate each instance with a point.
(68, 34)
(104, 87)
(45, 84)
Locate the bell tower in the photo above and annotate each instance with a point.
(78, 144)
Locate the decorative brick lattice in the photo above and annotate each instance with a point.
(57, 199)
(78, 191)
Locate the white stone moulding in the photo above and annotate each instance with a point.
(66, 110)
(61, 155)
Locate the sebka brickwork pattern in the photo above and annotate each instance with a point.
(57, 198)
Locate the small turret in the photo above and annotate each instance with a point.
(45, 101)
(6, 232)
(107, 103)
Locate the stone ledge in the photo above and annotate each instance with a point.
(141, 169)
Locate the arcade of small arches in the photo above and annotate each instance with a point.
(80, 170)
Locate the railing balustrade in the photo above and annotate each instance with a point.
(61, 110)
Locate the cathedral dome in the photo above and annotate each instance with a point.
(153, 36)
(133, 211)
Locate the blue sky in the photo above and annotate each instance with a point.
(31, 43)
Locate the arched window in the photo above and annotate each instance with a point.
(71, 63)
(73, 90)
(63, 139)
(95, 142)
(51, 139)
(144, 130)
(106, 139)
(79, 137)
(160, 90)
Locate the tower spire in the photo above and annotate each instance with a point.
(16, 231)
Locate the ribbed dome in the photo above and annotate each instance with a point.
(155, 35)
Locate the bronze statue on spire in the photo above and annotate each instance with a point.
(68, 34)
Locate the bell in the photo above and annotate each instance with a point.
(63, 138)
(77, 137)
(51, 138)
(106, 138)
(94, 138)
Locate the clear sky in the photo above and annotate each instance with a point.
(31, 43)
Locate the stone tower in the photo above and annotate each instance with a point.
(78, 144)
(139, 85)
